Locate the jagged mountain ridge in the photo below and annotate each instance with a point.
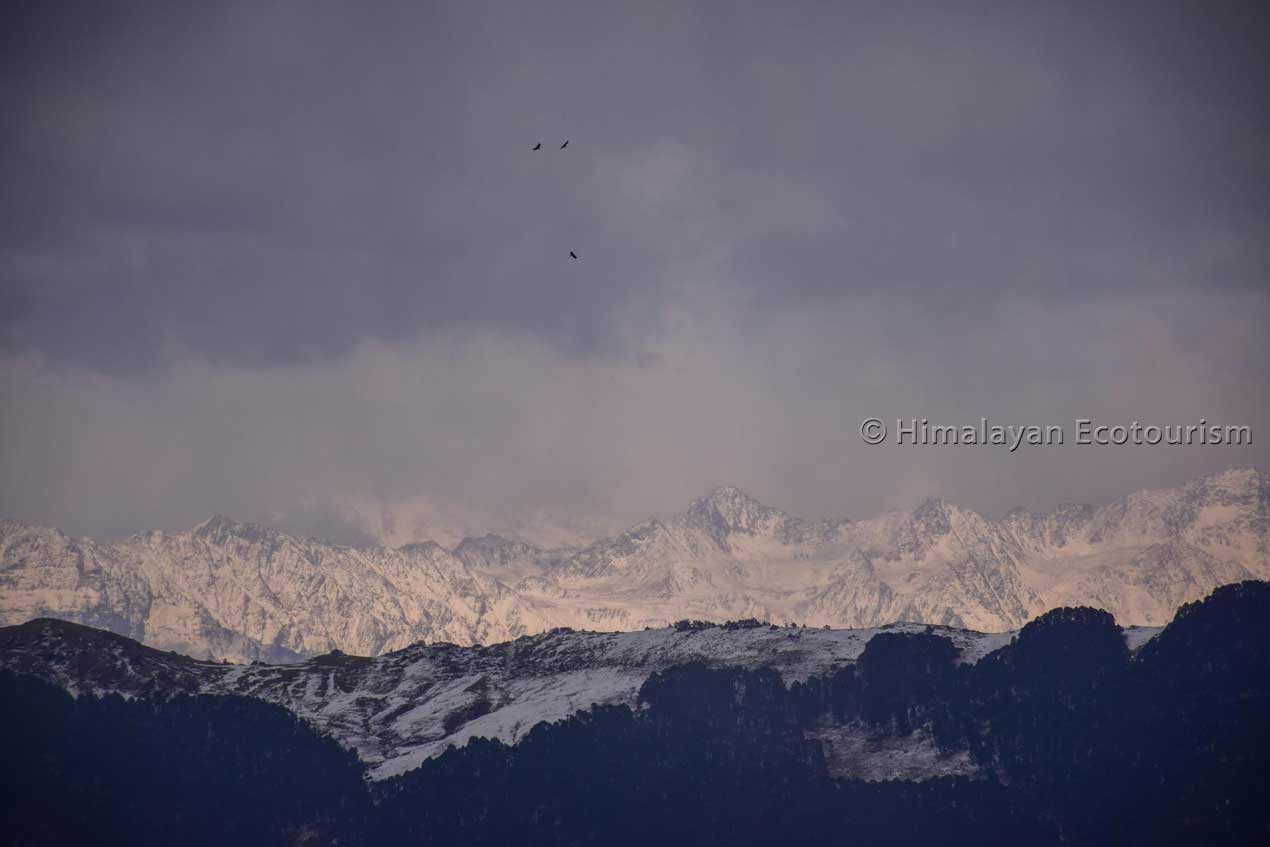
(401, 708)
(242, 591)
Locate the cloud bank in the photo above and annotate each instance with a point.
(300, 265)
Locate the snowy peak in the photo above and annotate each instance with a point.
(933, 518)
(1236, 483)
(221, 530)
(492, 550)
(727, 511)
(1181, 513)
(732, 508)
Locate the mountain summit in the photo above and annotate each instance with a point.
(728, 510)
(243, 591)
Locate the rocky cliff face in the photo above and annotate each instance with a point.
(242, 591)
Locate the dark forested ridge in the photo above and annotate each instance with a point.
(1081, 743)
(188, 770)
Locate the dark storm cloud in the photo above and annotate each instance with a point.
(276, 258)
(276, 182)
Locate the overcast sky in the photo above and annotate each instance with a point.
(296, 262)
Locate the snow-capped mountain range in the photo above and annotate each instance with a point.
(242, 591)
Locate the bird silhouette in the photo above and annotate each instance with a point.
(566, 144)
(573, 255)
(538, 146)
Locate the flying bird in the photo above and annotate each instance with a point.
(573, 255)
(538, 146)
(566, 144)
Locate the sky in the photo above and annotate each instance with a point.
(297, 262)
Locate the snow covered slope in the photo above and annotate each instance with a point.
(402, 708)
(399, 709)
(242, 591)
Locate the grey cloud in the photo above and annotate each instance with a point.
(295, 259)
(274, 184)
